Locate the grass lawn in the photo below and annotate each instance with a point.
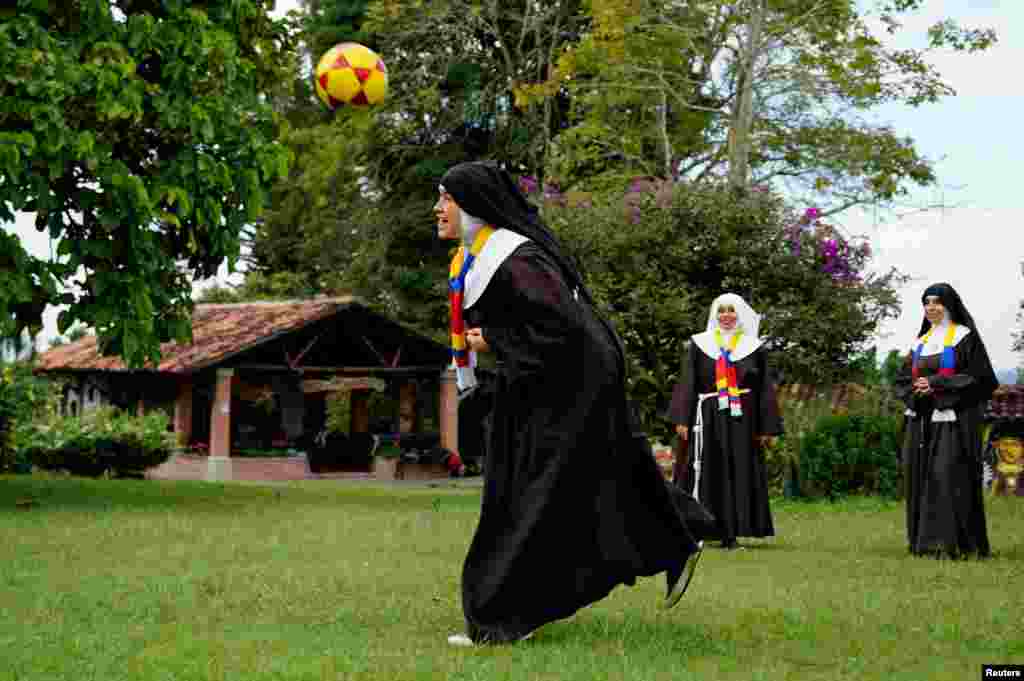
(113, 580)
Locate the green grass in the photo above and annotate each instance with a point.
(113, 580)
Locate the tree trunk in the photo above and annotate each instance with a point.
(743, 103)
(666, 142)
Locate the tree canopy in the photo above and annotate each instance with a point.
(139, 134)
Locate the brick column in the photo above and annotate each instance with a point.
(183, 413)
(407, 407)
(219, 462)
(448, 410)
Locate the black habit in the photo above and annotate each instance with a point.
(942, 460)
(733, 478)
(573, 504)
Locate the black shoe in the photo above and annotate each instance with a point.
(679, 581)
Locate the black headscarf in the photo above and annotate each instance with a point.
(950, 300)
(486, 191)
(958, 314)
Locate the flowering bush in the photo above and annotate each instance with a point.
(101, 441)
(657, 253)
(811, 238)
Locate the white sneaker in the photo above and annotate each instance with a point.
(460, 641)
(676, 590)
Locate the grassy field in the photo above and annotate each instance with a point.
(113, 580)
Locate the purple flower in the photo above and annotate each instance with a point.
(528, 184)
(812, 214)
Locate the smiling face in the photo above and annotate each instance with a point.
(934, 310)
(726, 317)
(449, 217)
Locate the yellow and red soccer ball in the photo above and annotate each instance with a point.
(351, 74)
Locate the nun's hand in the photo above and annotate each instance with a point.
(922, 386)
(475, 340)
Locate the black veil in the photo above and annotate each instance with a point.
(950, 300)
(486, 191)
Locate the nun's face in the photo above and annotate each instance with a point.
(726, 317)
(449, 217)
(934, 310)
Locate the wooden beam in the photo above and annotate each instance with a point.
(344, 371)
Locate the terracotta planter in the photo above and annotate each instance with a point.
(385, 467)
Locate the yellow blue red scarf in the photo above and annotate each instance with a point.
(947, 363)
(460, 266)
(725, 375)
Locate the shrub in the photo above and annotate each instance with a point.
(23, 396)
(98, 442)
(846, 454)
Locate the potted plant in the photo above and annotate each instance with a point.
(385, 459)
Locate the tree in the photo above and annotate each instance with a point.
(891, 366)
(138, 133)
(655, 273)
(1018, 341)
(760, 91)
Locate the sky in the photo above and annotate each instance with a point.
(976, 243)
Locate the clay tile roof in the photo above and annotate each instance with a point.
(1007, 403)
(218, 331)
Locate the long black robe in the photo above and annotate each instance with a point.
(573, 505)
(942, 460)
(733, 479)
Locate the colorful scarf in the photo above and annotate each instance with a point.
(460, 266)
(947, 364)
(725, 375)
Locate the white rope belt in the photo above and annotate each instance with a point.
(938, 415)
(698, 439)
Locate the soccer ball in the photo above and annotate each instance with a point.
(350, 73)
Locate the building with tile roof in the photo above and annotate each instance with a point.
(259, 374)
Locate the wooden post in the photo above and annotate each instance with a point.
(407, 407)
(359, 411)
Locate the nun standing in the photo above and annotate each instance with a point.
(725, 409)
(573, 504)
(945, 382)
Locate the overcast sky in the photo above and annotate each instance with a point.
(977, 243)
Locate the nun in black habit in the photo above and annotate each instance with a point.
(945, 382)
(720, 459)
(573, 502)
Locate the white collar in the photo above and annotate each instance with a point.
(498, 247)
(709, 345)
(936, 341)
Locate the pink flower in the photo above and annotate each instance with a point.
(812, 214)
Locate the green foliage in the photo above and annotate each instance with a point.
(891, 367)
(101, 441)
(329, 22)
(848, 454)
(140, 137)
(783, 457)
(656, 89)
(657, 273)
(23, 397)
(339, 412)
